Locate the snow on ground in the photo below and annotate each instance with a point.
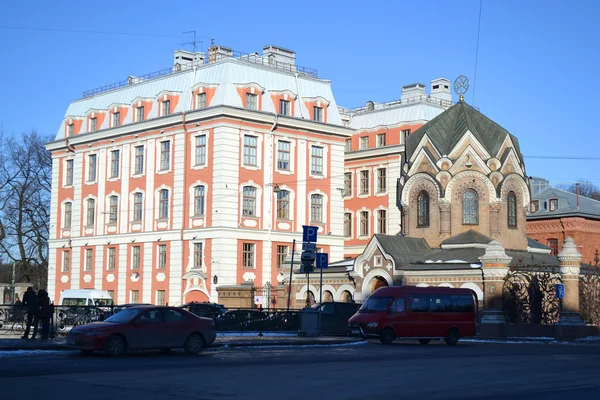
(29, 353)
(297, 346)
(251, 334)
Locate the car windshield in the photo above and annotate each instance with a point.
(375, 303)
(125, 315)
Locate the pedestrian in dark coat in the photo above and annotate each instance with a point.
(45, 313)
(30, 301)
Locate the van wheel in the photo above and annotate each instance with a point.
(452, 337)
(424, 341)
(387, 336)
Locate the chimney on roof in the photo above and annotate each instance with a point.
(275, 54)
(440, 89)
(577, 193)
(413, 93)
(217, 52)
(183, 59)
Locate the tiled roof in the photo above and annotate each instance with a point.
(403, 249)
(448, 128)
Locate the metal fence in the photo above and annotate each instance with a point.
(13, 319)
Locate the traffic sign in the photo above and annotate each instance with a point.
(306, 246)
(309, 233)
(560, 290)
(307, 269)
(322, 260)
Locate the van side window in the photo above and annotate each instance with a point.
(90, 302)
(439, 303)
(398, 306)
(462, 303)
(419, 303)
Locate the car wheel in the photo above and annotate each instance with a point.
(87, 352)
(424, 341)
(452, 337)
(387, 336)
(194, 343)
(115, 346)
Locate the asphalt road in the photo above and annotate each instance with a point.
(363, 371)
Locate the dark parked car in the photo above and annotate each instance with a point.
(121, 307)
(145, 327)
(335, 316)
(208, 310)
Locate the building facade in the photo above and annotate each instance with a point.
(555, 214)
(170, 185)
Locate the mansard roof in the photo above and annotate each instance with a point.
(447, 129)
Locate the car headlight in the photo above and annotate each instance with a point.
(372, 324)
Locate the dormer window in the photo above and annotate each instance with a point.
(93, 124)
(200, 101)
(284, 107)
(70, 130)
(318, 114)
(251, 101)
(116, 119)
(552, 205)
(139, 114)
(534, 206)
(166, 107)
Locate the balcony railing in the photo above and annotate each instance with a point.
(396, 103)
(250, 58)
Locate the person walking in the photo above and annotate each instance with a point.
(30, 301)
(45, 314)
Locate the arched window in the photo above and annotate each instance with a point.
(512, 210)
(249, 201)
(470, 205)
(283, 204)
(163, 203)
(113, 209)
(199, 196)
(316, 208)
(423, 209)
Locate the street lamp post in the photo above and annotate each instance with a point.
(12, 284)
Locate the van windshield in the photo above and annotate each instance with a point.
(375, 303)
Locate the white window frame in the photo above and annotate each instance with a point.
(197, 100)
(376, 221)
(348, 212)
(194, 258)
(359, 234)
(253, 267)
(158, 158)
(378, 261)
(158, 215)
(134, 171)
(112, 119)
(292, 143)
(64, 213)
(133, 258)
(132, 205)
(325, 214)
(325, 171)
(159, 260)
(377, 188)
(192, 196)
(350, 194)
(359, 192)
(363, 142)
(111, 176)
(259, 146)
(137, 113)
(88, 263)
(109, 208)
(111, 258)
(64, 261)
(66, 163)
(87, 168)
(378, 140)
(85, 202)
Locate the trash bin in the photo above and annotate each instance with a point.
(309, 322)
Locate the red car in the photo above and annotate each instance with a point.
(143, 328)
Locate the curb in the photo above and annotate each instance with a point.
(216, 345)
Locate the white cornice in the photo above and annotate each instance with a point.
(374, 152)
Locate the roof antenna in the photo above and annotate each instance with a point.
(193, 43)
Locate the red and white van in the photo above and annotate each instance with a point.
(423, 313)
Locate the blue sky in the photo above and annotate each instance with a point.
(537, 66)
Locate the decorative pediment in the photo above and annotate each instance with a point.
(424, 163)
(469, 160)
(361, 265)
(426, 142)
(469, 140)
(511, 163)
